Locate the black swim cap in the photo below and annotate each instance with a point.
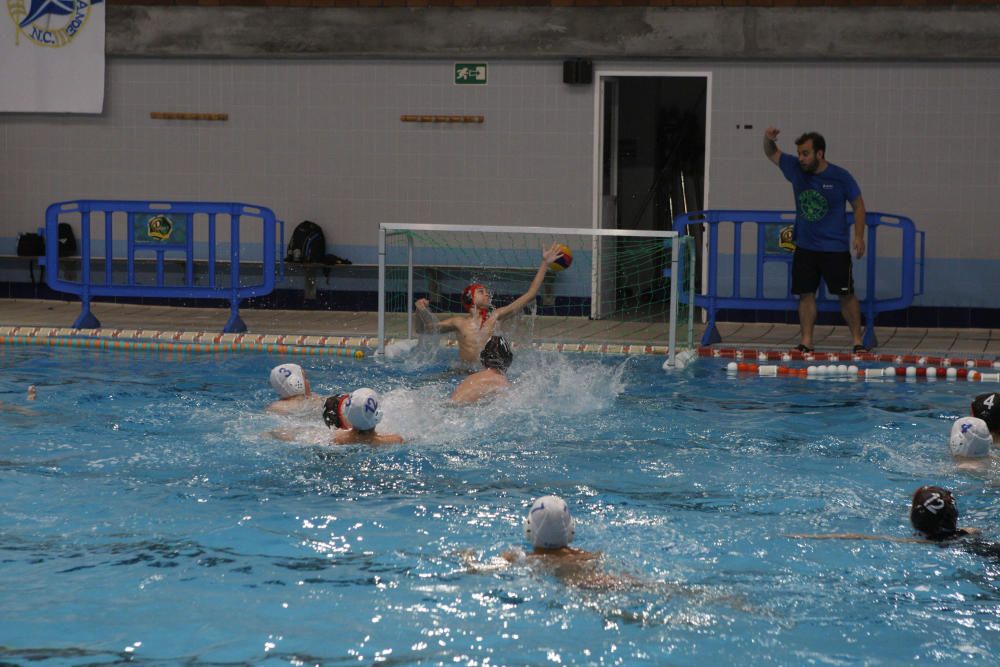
(331, 410)
(933, 513)
(497, 354)
(987, 408)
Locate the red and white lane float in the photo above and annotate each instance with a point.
(967, 373)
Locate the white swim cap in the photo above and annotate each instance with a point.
(288, 380)
(362, 409)
(549, 524)
(970, 437)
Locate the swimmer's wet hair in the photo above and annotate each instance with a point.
(933, 513)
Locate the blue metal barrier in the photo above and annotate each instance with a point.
(770, 248)
(166, 231)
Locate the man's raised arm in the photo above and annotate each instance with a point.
(771, 149)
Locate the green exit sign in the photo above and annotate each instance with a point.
(470, 73)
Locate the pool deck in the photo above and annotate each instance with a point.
(24, 315)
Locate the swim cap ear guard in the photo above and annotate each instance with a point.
(332, 414)
(549, 524)
(288, 380)
(362, 409)
(497, 354)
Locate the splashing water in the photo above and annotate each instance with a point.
(545, 387)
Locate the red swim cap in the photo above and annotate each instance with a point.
(469, 295)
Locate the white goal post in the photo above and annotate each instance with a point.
(622, 287)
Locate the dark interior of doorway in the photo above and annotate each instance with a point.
(661, 165)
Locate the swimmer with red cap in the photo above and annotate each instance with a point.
(473, 330)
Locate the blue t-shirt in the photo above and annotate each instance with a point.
(821, 205)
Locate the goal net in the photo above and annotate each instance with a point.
(624, 290)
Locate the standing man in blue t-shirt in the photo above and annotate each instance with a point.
(823, 242)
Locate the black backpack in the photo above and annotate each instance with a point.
(30, 245)
(308, 243)
(33, 245)
(67, 240)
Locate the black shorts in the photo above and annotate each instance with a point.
(835, 268)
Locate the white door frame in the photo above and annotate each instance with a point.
(617, 72)
(598, 157)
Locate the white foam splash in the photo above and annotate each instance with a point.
(545, 387)
(680, 361)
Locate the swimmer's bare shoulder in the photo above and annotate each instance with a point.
(574, 567)
(569, 554)
(295, 406)
(565, 554)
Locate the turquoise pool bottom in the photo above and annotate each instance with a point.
(150, 515)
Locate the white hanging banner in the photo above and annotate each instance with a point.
(52, 56)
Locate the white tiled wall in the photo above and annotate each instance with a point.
(316, 140)
(922, 141)
(322, 140)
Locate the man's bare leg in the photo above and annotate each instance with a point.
(807, 318)
(851, 310)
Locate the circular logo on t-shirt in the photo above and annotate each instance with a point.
(813, 205)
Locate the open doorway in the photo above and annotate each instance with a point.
(652, 148)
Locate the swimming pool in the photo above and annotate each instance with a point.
(148, 515)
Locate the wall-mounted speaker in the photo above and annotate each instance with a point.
(578, 70)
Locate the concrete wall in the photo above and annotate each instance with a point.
(816, 33)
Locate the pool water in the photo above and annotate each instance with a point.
(150, 515)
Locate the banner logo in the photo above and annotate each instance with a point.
(159, 227)
(778, 239)
(52, 23)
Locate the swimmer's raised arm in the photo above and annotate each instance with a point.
(427, 323)
(548, 256)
